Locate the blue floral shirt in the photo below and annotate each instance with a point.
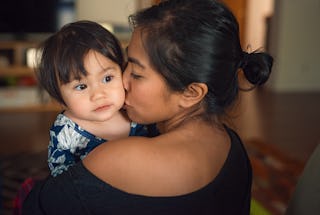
(69, 143)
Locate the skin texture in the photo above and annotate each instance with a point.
(185, 157)
(94, 101)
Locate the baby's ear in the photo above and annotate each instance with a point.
(193, 94)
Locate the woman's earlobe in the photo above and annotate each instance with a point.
(193, 94)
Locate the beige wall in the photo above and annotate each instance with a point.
(295, 44)
(105, 10)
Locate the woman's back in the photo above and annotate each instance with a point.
(228, 193)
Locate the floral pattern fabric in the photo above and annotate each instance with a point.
(69, 143)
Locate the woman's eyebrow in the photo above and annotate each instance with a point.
(134, 60)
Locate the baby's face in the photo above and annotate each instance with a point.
(98, 95)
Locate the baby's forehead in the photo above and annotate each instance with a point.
(72, 74)
(78, 74)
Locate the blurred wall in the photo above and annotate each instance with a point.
(105, 10)
(295, 44)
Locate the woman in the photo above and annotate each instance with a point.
(183, 60)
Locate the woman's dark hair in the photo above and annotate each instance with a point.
(198, 41)
(62, 54)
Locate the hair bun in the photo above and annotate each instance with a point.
(243, 61)
(256, 67)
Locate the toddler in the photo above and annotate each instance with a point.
(81, 66)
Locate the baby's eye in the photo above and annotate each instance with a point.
(107, 78)
(80, 87)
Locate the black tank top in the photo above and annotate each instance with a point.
(78, 191)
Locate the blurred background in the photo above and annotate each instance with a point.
(278, 122)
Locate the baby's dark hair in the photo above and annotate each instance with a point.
(198, 41)
(62, 54)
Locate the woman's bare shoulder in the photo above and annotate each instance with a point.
(169, 164)
(129, 164)
(114, 154)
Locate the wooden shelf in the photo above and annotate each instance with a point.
(17, 98)
(48, 107)
(18, 49)
(10, 44)
(16, 71)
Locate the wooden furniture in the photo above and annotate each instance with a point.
(14, 66)
(15, 53)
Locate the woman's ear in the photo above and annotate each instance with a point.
(193, 94)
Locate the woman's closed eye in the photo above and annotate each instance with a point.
(135, 76)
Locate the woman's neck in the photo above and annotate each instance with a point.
(180, 119)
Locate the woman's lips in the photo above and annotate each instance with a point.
(127, 106)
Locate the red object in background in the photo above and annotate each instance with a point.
(22, 193)
(26, 81)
